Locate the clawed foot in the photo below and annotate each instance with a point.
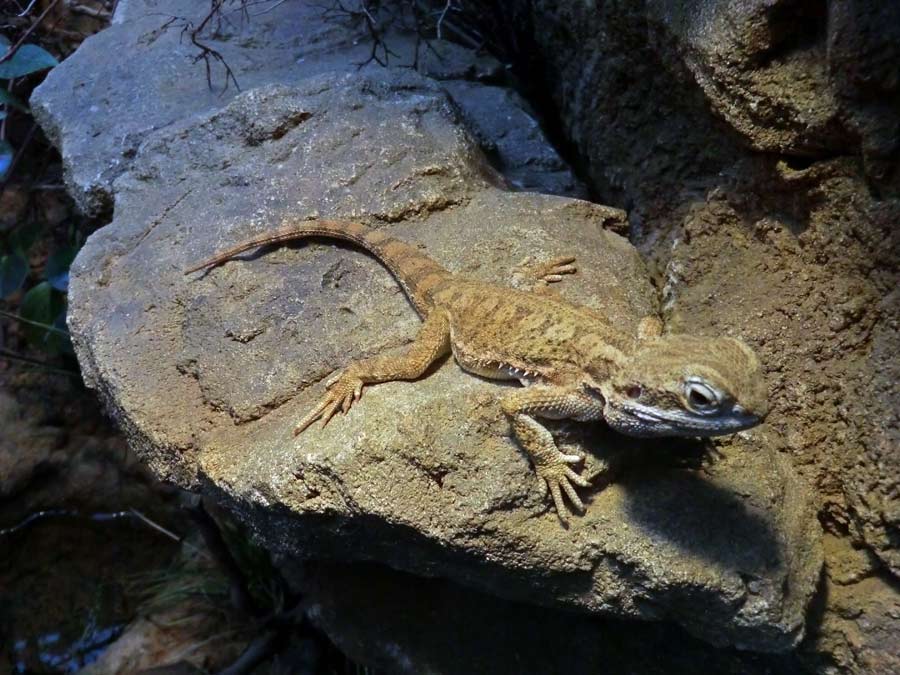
(541, 274)
(557, 477)
(344, 389)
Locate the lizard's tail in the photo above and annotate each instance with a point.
(416, 273)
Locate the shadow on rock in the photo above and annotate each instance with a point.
(714, 513)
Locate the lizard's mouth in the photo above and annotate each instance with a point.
(634, 419)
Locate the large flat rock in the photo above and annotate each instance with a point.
(207, 374)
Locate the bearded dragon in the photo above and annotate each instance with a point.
(572, 362)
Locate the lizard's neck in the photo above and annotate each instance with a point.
(603, 352)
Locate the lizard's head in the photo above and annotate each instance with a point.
(678, 385)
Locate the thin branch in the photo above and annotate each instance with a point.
(47, 187)
(207, 52)
(88, 11)
(32, 517)
(267, 9)
(12, 356)
(168, 533)
(26, 10)
(38, 324)
(440, 20)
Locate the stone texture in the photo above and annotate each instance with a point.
(422, 475)
(399, 623)
(98, 110)
(788, 77)
(796, 77)
(792, 243)
(208, 374)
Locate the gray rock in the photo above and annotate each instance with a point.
(207, 375)
(422, 476)
(98, 110)
(512, 137)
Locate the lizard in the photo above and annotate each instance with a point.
(572, 361)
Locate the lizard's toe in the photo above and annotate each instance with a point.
(554, 270)
(573, 496)
(561, 511)
(580, 481)
(558, 478)
(342, 393)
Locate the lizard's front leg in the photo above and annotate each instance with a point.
(345, 388)
(552, 466)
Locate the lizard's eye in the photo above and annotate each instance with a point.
(701, 397)
(634, 391)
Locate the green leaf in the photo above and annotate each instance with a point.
(43, 305)
(56, 272)
(13, 271)
(6, 157)
(27, 59)
(12, 100)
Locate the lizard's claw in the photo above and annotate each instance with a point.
(557, 477)
(553, 270)
(344, 389)
(537, 275)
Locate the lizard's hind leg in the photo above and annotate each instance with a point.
(345, 388)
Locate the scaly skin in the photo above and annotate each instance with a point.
(572, 363)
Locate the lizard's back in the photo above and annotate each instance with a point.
(493, 327)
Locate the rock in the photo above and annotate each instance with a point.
(598, 69)
(208, 374)
(823, 313)
(398, 623)
(422, 476)
(511, 135)
(797, 253)
(99, 110)
(762, 66)
(805, 79)
(797, 78)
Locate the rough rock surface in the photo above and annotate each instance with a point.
(787, 77)
(400, 623)
(799, 78)
(98, 110)
(800, 253)
(421, 476)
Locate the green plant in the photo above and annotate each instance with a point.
(42, 308)
(17, 61)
